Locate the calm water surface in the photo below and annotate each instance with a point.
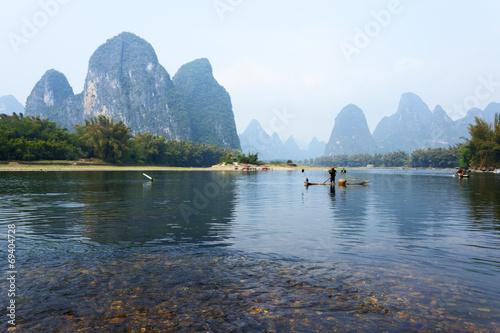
(225, 251)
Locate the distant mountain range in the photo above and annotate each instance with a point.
(350, 134)
(256, 140)
(413, 126)
(9, 105)
(126, 82)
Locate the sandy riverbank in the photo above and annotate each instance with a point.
(76, 166)
(48, 167)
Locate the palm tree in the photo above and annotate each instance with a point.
(109, 140)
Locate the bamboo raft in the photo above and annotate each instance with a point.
(339, 184)
(342, 182)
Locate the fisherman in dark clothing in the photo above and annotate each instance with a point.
(332, 173)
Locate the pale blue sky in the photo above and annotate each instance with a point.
(292, 65)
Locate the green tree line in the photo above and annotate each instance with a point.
(482, 150)
(31, 138)
(420, 158)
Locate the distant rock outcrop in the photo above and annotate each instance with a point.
(53, 98)
(440, 132)
(208, 105)
(406, 129)
(489, 112)
(270, 147)
(350, 134)
(316, 148)
(461, 126)
(126, 82)
(9, 105)
(51, 90)
(291, 150)
(255, 140)
(413, 126)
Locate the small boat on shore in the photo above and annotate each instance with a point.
(496, 171)
(248, 168)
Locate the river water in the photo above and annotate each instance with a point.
(215, 251)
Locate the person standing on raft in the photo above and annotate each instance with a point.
(332, 173)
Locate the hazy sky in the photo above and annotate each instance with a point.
(292, 65)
